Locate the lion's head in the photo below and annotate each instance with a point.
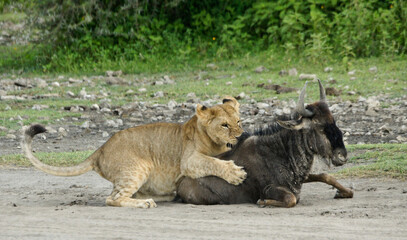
(221, 122)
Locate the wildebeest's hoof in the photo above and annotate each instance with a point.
(348, 194)
(261, 203)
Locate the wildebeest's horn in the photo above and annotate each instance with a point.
(322, 96)
(300, 105)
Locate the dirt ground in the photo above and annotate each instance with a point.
(35, 205)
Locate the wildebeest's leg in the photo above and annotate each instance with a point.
(278, 197)
(342, 192)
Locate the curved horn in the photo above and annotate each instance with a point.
(322, 95)
(300, 105)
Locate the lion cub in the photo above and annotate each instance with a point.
(148, 160)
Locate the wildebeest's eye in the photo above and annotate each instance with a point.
(225, 125)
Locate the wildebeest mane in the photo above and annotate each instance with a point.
(271, 129)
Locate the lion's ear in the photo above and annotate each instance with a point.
(232, 102)
(202, 111)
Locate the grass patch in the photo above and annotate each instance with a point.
(372, 160)
(377, 160)
(56, 159)
(14, 17)
(12, 119)
(208, 83)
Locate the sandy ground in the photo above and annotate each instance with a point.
(35, 205)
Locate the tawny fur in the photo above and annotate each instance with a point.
(149, 159)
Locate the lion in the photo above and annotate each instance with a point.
(145, 162)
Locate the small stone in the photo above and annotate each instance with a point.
(39, 107)
(73, 80)
(351, 93)
(212, 66)
(159, 94)
(168, 80)
(328, 69)
(191, 95)
(278, 112)
(261, 105)
(351, 73)
(260, 69)
(85, 124)
(111, 123)
(119, 122)
(105, 134)
(83, 94)
(304, 76)
(373, 69)
(283, 73)
(105, 110)
(142, 90)
(352, 78)
(7, 108)
(372, 102)
(41, 83)
(3, 93)
(371, 112)
(109, 73)
(401, 139)
(292, 72)
(70, 94)
(228, 83)
(117, 73)
(129, 92)
(172, 104)
(51, 130)
(55, 84)
(95, 107)
(62, 131)
(361, 99)
(286, 110)
(158, 83)
(241, 95)
(11, 136)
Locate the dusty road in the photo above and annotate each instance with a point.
(35, 205)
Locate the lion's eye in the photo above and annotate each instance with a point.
(225, 125)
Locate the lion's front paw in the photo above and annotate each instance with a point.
(234, 174)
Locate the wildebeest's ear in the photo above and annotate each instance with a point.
(202, 111)
(232, 102)
(302, 123)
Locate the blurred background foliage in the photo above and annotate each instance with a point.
(94, 34)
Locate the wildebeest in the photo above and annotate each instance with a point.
(277, 159)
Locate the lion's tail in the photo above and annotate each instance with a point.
(28, 135)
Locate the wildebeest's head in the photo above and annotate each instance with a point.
(318, 118)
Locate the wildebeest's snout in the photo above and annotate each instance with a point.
(340, 157)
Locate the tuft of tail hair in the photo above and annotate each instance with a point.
(34, 130)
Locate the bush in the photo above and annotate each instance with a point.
(92, 32)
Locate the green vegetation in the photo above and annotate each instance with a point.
(371, 160)
(377, 160)
(56, 159)
(14, 17)
(154, 36)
